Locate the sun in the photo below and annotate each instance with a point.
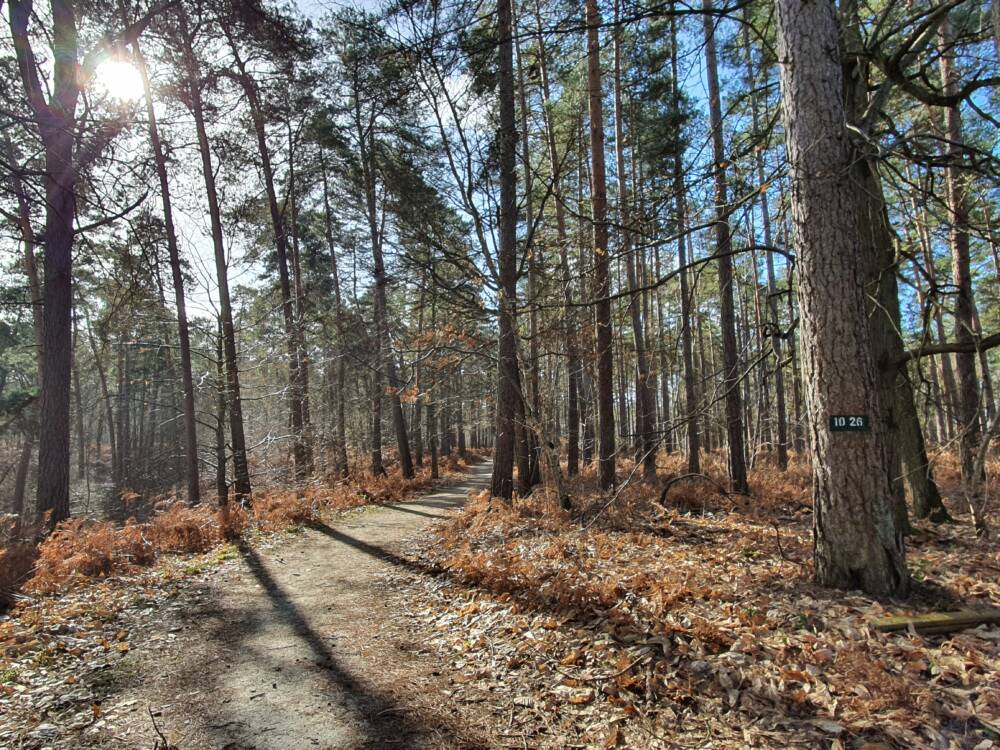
(120, 80)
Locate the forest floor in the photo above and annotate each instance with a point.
(686, 621)
(295, 643)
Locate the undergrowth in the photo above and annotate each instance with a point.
(79, 550)
(718, 579)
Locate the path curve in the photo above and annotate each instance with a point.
(296, 647)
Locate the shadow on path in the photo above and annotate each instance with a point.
(384, 722)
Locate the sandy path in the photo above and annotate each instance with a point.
(296, 647)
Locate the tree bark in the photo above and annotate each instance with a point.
(602, 280)
(858, 543)
(508, 374)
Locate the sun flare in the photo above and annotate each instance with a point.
(120, 79)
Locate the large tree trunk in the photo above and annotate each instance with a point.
(858, 543)
(56, 122)
(57, 350)
(602, 279)
(177, 276)
(508, 374)
(723, 249)
(241, 469)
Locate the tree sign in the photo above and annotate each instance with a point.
(849, 423)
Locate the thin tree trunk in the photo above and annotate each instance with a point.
(340, 430)
(723, 248)
(241, 469)
(278, 225)
(602, 281)
(644, 406)
(177, 276)
(781, 416)
(687, 350)
(221, 485)
(965, 363)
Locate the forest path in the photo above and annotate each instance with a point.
(297, 647)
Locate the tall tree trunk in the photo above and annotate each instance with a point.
(56, 120)
(384, 358)
(958, 210)
(298, 284)
(237, 437)
(905, 442)
(687, 350)
(723, 249)
(781, 416)
(644, 405)
(573, 369)
(532, 400)
(177, 276)
(508, 374)
(602, 279)
(340, 446)
(300, 456)
(858, 543)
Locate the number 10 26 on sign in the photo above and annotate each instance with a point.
(849, 423)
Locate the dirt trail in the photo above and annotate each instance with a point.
(296, 647)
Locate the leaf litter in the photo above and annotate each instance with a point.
(694, 623)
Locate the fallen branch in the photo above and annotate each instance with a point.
(939, 622)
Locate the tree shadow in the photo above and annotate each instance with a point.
(379, 553)
(404, 509)
(384, 721)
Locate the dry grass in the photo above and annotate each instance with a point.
(80, 550)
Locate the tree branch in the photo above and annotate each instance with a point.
(971, 347)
